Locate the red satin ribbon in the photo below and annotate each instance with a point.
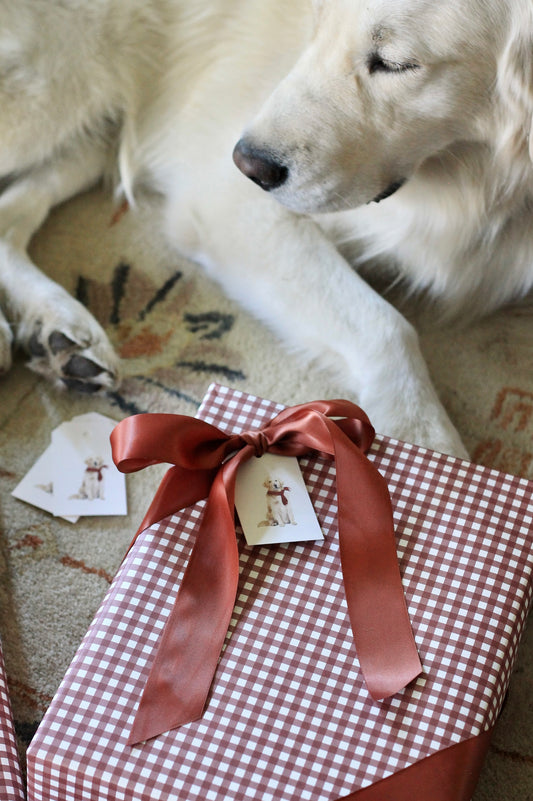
(447, 775)
(205, 463)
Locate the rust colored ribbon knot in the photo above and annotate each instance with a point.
(205, 462)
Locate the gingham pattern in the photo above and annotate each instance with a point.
(11, 787)
(289, 716)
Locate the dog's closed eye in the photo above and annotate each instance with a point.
(376, 63)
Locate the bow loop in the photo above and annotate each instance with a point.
(205, 462)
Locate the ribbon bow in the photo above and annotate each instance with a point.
(205, 461)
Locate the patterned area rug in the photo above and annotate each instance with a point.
(176, 333)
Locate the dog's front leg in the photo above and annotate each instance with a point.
(284, 269)
(64, 341)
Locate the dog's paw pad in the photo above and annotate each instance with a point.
(58, 341)
(84, 375)
(80, 367)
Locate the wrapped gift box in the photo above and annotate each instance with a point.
(289, 715)
(11, 786)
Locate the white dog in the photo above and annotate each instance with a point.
(335, 105)
(279, 507)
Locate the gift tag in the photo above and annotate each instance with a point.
(86, 480)
(37, 486)
(273, 503)
(75, 475)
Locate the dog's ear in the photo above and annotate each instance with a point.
(515, 82)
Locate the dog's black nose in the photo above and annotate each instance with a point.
(259, 166)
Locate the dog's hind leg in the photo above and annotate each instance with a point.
(63, 340)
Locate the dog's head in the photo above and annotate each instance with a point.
(273, 484)
(96, 462)
(385, 86)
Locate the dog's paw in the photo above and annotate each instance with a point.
(426, 432)
(68, 346)
(440, 438)
(417, 417)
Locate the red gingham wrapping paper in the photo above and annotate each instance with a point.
(289, 716)
(11, 786)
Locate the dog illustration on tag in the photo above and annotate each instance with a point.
(273, 503)
(279, 507)
(93, 483)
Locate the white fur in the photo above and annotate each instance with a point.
(163, 89)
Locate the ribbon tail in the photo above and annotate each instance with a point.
(383, 636)
(178, 489)
(448, 775)
(194, 633)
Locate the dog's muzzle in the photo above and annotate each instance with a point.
(260, 166)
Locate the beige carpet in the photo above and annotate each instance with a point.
(176, 333)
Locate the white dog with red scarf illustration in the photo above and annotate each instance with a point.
(92, 486)
(279, 509)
